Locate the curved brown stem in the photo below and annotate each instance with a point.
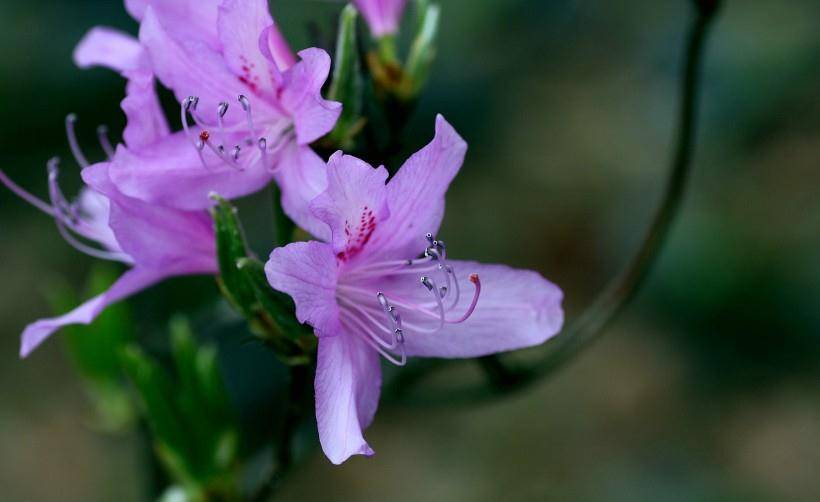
(504, 379)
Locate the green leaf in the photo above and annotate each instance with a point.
(195, 433)
(230, 245)
(270, 314)
(201, 393)
(278, 305)
(159, 402)
(423, 50)
(347, 85)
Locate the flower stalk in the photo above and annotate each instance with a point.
(504, 378)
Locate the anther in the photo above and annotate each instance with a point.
(243, 100)
(222, 109)
(427, 283)
(191, 103)
(382, 300)
(102, 136)
(70, 120)
(395, 316)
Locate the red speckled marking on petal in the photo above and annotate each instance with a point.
(359, 235)
(249, 77)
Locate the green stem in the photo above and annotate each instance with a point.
(591, 323)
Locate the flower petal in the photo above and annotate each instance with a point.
(516, 309)
(383, 16)
(302, 176)
(146, 123)
(170, 173)
(153, 235)
(109, 48)
(123, 53)
(96, 209)
(190, 68)
(129, 283)
(240, 24)
(301, 96)
(307, 272)
(347, 385)
(354, 204)
(188, 19)
(416, 194)
(275, 48)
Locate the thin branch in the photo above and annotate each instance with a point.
(504, 379)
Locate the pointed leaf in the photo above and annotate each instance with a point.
(347, 84)
(278, 305)
(230, 244)
(423, 50)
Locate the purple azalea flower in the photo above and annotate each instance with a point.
(366, 293)
(383, 16)
(249, 109)
(156, 241)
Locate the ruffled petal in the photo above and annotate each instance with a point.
(383, 16)
(146, 123)
(109, 48)
(307, 272)
(302, 176)
(354, 204)
(416, 194)
(190, 68)
(240, 24)
(275, 48)
(516, 309)
(347, 385)
(301, 96)
(129, 283)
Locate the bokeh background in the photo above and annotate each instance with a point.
(706, 388)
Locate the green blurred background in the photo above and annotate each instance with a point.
(706, 388)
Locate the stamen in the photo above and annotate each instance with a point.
(64, 224)
(246, 105)
(221, 110)
(70, 120)
(450, 271)
(263, 147)
(477, 283)
(105, 143)
(25, 195)
(431, 286)
(375, 342)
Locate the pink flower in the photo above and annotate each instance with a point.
(156, 242)
(366, 293)
(383, 16)
(249, 109)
